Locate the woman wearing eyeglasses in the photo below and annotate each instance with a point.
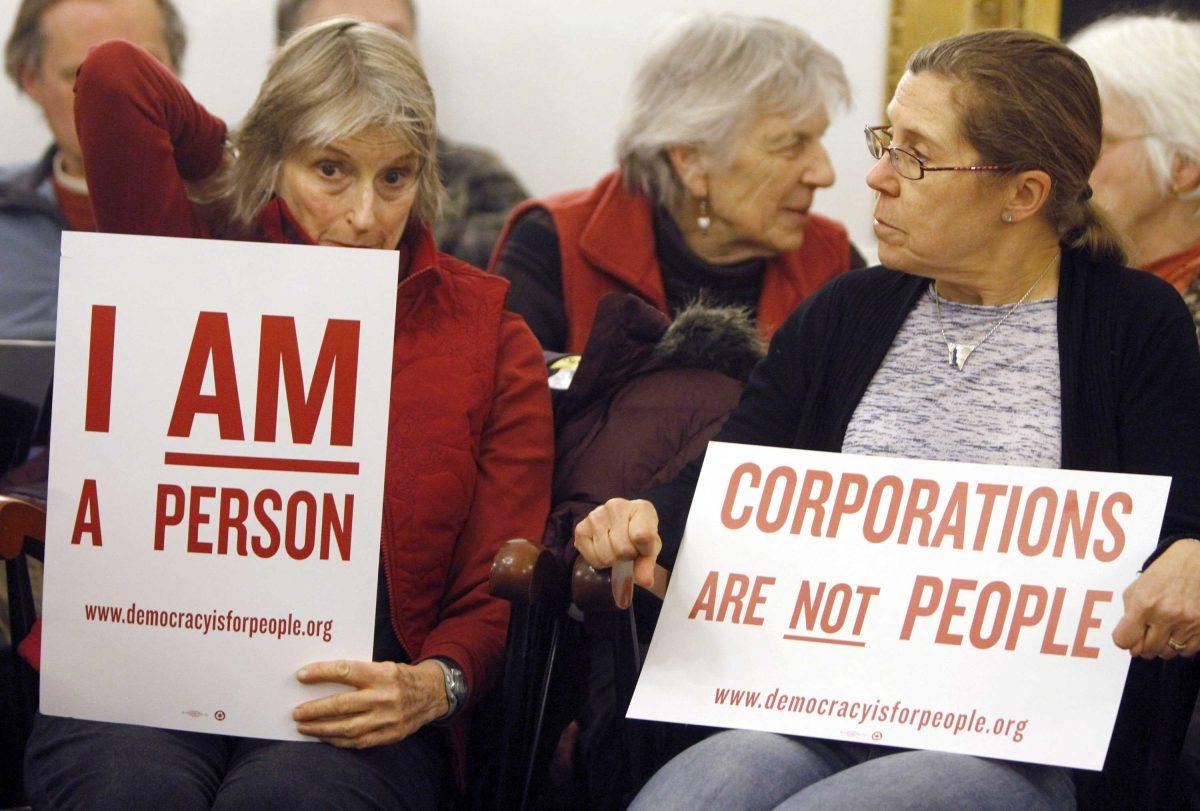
(1148, 175)
(1002, 328)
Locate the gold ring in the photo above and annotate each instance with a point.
(1176, 646)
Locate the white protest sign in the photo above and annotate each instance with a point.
(958, 607)
(216, 477)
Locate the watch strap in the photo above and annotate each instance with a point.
(455, 683)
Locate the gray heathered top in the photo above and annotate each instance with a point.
(1003, 408)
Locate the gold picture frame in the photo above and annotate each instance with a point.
(914, 23)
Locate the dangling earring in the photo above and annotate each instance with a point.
(703, 220)
(1006, 216)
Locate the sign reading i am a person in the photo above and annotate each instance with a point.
(216, 477)
(908, 603)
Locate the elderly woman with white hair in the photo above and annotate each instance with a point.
(1148, 177)
(720, 158)
(1147, 68)
(337, 150)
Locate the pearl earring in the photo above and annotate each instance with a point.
(1006, 216)
(704, 221)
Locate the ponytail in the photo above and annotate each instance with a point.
(1095, 234)
(1032, 103)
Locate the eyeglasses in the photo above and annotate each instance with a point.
(906, 163)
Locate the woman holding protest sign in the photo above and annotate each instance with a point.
(337, 150)
(1003, 329)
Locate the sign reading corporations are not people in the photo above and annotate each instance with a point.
(959, 607)
(216, 477)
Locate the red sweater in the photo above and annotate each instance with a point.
(606, 240)
(470, 442)
(1180, 269)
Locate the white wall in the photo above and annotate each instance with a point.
(539, 81)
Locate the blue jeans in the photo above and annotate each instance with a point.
(758, 770)
(87, 764)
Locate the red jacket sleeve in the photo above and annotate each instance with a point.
(511, 500)
(143, 136)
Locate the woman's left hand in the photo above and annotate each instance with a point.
(1162, 606)
(391, 702)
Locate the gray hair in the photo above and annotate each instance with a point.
(330, 81)
(27, 43)
(1152, 62)
(288, 12)
(706, 82)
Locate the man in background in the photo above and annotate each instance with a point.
(39, 201)
(480, 190)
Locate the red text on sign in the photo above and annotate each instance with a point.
(87, 515)
(1056, 522)
(279, 358)
(827, 607)
(230, 521)
(737, 603)
(100, 368)
(1000, 612)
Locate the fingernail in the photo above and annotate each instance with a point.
(302, 673)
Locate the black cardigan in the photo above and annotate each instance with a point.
(1130, 370)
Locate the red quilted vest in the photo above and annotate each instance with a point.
(606, 240)
(447, 336)
(447, 329)
(444, 362)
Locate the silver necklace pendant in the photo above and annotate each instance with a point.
(957, 354)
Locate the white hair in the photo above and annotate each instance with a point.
(1152, 62)
(707, 80)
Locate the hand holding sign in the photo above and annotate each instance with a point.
(1163, 606)
(918, 604)
(621, 529)
(391, 702)
(219, 454)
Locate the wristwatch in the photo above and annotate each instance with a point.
(456, 685)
